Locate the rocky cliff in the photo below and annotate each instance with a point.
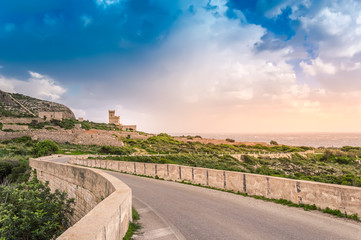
(18, 105)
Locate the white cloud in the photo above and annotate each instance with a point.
(335, 29)
(35, 75)
(38, 86)
(317, 66)
(106, 3)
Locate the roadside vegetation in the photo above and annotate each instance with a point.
(28, 209)
(134, 226)
(337, 166)
(164, 144)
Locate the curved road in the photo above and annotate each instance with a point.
(171, 210)
(199, 213)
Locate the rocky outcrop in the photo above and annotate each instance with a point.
(18, 105)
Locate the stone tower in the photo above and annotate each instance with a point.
(113, 119)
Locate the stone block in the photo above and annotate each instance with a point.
(216, 178)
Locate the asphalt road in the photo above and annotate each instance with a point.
(198, 213)
(173, 210)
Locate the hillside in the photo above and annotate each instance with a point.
(18, 105)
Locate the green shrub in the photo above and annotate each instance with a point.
(86, 125)
(264, 170)
(348, 179)
(23, 139)
(249, 160)
(273, 142)
(6, 167)
(344, 160)
(116, 150)
(45, 148)
(30, 211)
(36, 125)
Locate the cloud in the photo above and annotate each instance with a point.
(317, 66)
(38, 86)
(106, 3)
(193, 65)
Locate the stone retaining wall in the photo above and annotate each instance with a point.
(19, 120)
(62, 136)
(15, 127)
(103, 204)
(344, 198)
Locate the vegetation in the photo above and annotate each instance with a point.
(133, 226)
(273, 142)
(164, 144)
(116, 150)
(30, 211)
(332, 166)
(45, 148)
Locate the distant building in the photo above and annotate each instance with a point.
(80, 119)
(113, 119)
(51, 115)
(116, 120)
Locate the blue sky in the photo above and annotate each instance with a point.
(190, 66)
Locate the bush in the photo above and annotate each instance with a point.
(6, 168)
(30, 211)
(45, 148)
(86, 125)
(23, 139)
(116, 150)
(230, 140)
(344, 160)
(273, 142)
(348, 179)
(36, 125)
(249, 160)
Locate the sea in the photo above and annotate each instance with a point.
(293, 139)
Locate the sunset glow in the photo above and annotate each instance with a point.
(212, 66)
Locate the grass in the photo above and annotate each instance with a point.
(333, 166)
(134, 226)
(306, 207)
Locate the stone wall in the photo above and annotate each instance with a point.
(19, 120)
(103, 204)
(62, 136)
(344, 198)
(15, 127)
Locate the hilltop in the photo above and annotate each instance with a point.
(19, 105)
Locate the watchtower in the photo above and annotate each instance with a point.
(113, 119)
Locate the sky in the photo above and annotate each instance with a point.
(181, 66)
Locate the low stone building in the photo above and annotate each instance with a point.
(51, 115)
(128, 127)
